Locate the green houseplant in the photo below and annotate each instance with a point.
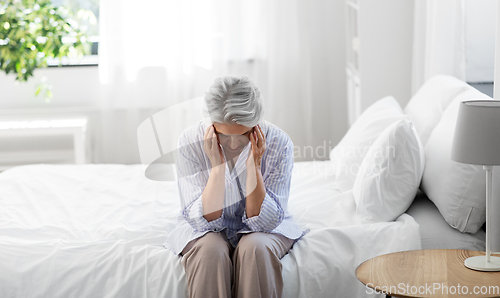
(31, 31)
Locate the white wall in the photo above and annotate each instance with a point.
(385, 56)
(72, 87)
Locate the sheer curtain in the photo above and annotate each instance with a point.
(158, 53)
(439, 40)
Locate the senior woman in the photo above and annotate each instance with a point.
(234, 179)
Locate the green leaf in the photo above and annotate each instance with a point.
(23, 21)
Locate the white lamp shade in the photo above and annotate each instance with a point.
(477, 133)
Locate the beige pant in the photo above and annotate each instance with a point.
(214, 269)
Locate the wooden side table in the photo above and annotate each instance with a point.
(428, 273)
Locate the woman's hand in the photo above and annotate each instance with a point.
(255, 190)
(258, 147)
(212, 147)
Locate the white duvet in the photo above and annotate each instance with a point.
(97, 231)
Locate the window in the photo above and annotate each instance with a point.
(86, 13)
(480, 24)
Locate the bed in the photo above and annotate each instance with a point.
(98, 230)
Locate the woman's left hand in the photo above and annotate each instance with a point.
(258, 147)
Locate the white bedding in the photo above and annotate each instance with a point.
(98, 230)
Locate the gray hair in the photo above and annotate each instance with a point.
(234, 100)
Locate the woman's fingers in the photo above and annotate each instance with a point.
(260, 135)
(206, 140)
(209, 135)
(252, 139)
(208, 131)
(211, 146)
(257, 134)
(215, 145)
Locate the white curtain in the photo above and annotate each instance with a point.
(157, 53)
(439, 40)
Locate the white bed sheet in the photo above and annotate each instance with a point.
(98, 230)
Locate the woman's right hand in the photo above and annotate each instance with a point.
(212, 147)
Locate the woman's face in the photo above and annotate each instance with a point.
(233, 137)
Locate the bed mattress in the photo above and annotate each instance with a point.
(436, 233)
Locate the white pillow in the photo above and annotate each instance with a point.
(457, 189)
(428, 104)
(350, 151)
(390, 174)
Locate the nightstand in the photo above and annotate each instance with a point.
(428, 273)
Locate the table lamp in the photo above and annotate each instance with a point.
(477, 141)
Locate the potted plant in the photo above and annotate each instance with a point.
(31, 31)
